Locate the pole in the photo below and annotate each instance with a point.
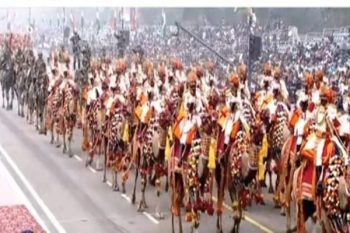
(249, 58)
(204, 44)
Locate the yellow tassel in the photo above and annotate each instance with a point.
(167, 148)
(182, 109)
(170, 134)
(262, 155)
(126, 132)
(212, 146)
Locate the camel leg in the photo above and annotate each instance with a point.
(64, 150)
(158, 187)
(104, 179)
(125, 175)
(31, 116)
(58, 143)
(115, 182)
(52, 132)
(27, 115)
(143, 204)
(42, 123)
(3, 97)
(22, 113)
(37, 118)
(172, 223)
(12, 97)
(91, 143)
(218, 178)
(270, 181)
(7, 100)
(70, 137)
(136, 176)
(18, 107)
(236, 208)
(180, 221)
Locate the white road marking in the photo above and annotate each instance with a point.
(35, 195)
(248, 219)
(77, 157)
(126, 197)
(91, 169)
(150, 217)
(109, 183)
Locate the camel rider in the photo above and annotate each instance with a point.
(266, 80)
(122, 77)
(54, 63)
(55, 80)
(150, 83)
(233, 87)
(201, 82)
(67, 82)
(243, 87)
(318, 141)
(299, 123)
(147, 110)
(276, 102)
(344, 120)
(210, 71)
(277, 78)
(193, 92)
(95, 91)
(185, 128)
(114, 98)
(265, 95)
(212, 95)
(97, 73)
(61, 54)
(40, 68)
(224, 106)
(233, 122)
(317, 87)
(162, 86)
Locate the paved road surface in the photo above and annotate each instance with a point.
(78, 201)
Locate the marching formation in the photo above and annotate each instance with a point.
(176, 125)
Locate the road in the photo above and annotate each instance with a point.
(72, 198)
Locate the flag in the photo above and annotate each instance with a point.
(64, 17)
(114, 20)
(58, 20)
(72, 20)
(8, 21)
(121, 17)
(162, 33)
(133, 17)
(82, 20)
(98, 23)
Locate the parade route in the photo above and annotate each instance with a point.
(181, 119)
(80, 202)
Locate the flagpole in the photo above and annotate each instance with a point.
(249, 58)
